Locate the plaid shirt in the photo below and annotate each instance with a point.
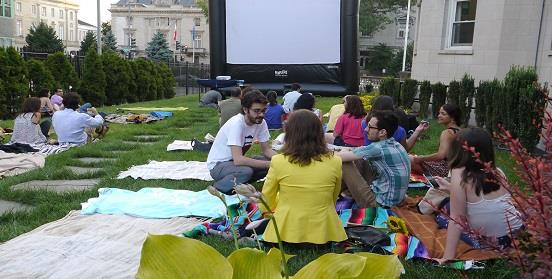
(392, 164)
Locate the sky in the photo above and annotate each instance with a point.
(88, 8)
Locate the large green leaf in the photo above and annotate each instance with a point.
(249, 263)
(169, 256)
(333, 266)
(381, 266)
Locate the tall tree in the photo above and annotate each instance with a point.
(109, 43)
(158, 48)
(63, 72)
(106, 28)
(93, 80)
(16, 82)
(43, 38)
(39, 75)
(88, 43)
(379, 58)
(375, 14)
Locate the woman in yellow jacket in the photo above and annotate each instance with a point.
(303, 184)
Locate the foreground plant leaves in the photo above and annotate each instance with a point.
(360, 265)
(169, 256)
(249, 263)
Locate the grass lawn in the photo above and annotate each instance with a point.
(184, 125)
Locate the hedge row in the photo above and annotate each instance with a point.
(107, 79)
(517, 103)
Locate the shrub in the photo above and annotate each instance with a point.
(439, 91)
(168, 81)
(117, 78)
(63, 72)
(39, 75)
(390, 86)
(369, 87)
(14, 75)
(93, 80)
(425, 95)
(453, 95)
(408, 93)
(467, 90)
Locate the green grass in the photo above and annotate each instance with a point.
(196, 122)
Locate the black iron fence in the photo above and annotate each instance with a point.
(186, 75)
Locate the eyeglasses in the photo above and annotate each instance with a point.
(373, 127)
(259, 111)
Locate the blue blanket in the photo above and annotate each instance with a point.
(157, 203)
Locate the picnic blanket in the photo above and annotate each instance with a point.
(175, 170)
(157, 203)
(84, 246)
(180, 145)
(155, 109)
(131, 118)
(425, 228)
(50, 149)
(14, 164)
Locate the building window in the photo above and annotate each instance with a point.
(365, 35)
(5, 8)
(33, 8)
(462, 23)
(71, 36)
(400, 33)
(60, 31)
(19, 28)
(43, 11)
(197, 21)
(61, 14)
(71, 15)
(18, 6)
(197, 40)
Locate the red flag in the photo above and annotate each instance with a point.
(174, 34)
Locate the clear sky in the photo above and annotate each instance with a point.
(88, 8)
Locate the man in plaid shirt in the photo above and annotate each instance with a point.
(385, 180)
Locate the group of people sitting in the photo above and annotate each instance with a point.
(70, 120)
(304, 181)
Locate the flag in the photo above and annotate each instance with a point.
(174, 34)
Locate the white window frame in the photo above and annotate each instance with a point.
(71, 15)
(451, 20)
(399, 30)
(19, 28)
(60, 14)
(18, 6)
(61, 32)
(33, 9)
(43, 11)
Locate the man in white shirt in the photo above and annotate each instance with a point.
(291, 97)
(226, 161)
(70, 125)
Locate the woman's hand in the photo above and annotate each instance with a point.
(422, 127)
(444, 183)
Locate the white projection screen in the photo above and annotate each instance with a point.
(283, 31)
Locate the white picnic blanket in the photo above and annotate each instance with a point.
(180, 145)
(14, 164)
(175, 170)
(85, 246)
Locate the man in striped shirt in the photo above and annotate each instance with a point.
(386, 181)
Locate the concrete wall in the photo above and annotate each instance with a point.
(506, 33)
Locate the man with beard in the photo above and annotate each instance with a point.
(227, 162)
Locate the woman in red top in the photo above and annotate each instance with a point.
(348, 129)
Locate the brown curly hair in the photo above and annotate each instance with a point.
(304, 139)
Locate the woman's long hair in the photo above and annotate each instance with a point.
(304, 140)
(354, 107)
(30, 105)
(474, 171)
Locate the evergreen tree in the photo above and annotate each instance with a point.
(117, 78)
(109, 42)
(63, 72)
(379, 58)
(373, 15)
(40, 76)
(144, 80)
(168, 81)
(106, 28)
(93, 80)
(158, 48)
(43, 38)
(88, 43)
(3, 94)
(16, 82)
(133, 84)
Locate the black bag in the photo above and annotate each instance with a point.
(201, 146)
(366, 239)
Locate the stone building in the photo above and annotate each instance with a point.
(7, 24)
(178, 20)
(61, 15)
(481, 38)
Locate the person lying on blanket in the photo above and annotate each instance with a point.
(303, 184)
(385, 182)
(226, 161)
(475, 195)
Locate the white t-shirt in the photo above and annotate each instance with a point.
(289, 100)
(235, 132)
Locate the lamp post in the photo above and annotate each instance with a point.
(406, 36)
(99, 34)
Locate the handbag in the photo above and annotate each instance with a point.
(432, 201)
(368, 236)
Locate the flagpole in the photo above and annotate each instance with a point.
(193, 43)
(406, 37)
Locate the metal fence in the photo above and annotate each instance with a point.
(186, 75)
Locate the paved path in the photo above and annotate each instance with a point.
(59, 186)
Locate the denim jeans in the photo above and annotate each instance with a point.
(227, 174)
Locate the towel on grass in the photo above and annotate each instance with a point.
(154, 109)
(14, 164)
(157, 203)
(176, 170)
(84, 246)
(433, 238)
(180, 145)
